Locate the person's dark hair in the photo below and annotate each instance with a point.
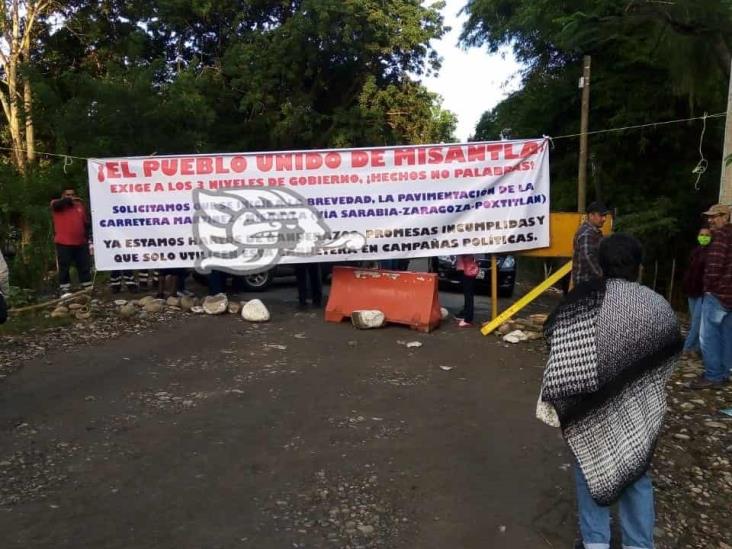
(597, 207)
(620, 256)
(68, 187)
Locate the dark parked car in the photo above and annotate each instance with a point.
(253, 282)
(261, 281)
(445, 266)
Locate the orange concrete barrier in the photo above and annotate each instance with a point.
(404, 297)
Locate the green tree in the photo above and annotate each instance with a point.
(651, 61)
(136, 77)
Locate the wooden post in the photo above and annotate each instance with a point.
(584, 123)
(494, 287)
(725, 185)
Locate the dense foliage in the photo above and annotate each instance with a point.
(134, 77)
(651, 61)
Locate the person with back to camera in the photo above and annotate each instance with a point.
(613, 344)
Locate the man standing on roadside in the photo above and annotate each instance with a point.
(585, 265)
(716, 324)
(308, 277)
(72, 228)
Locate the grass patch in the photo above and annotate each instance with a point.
(32, 322)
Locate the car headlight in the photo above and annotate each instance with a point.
(508, 263)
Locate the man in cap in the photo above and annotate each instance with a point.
(585, 264)
(716, 324)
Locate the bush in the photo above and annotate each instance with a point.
(24, 211)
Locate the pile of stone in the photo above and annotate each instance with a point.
(145, 306)
(522, 329)
(692, 465)
(78, 307)
(253, 311)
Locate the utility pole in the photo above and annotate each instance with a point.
(584, 123)
(725, 185)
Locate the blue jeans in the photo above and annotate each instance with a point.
(636, 511)
(716, 339)
(695, 310)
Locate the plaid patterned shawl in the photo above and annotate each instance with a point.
(613, 345)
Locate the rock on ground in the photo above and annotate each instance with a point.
(515, 336)
(363, 320)
(187, 302)
(255, 311)
(216, 304)
(127, 311)
(154, 306)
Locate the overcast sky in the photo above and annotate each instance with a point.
(471, 81)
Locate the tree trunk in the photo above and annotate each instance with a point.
(14, 120)
(724, 57)
(29, 131)
(28, 106)
(18, 21)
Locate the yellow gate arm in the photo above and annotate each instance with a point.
(488, 327)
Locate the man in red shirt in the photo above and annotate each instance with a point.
(71, 229)
(716, 324)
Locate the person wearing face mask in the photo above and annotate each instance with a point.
(715, 333)
(693, 286)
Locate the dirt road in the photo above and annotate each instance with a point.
(210, 432)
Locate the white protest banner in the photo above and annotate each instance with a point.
(245, 212)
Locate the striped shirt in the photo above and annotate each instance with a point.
(585, 263)
(718, 271)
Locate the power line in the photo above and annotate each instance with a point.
(549, 137)
(44, 153)
(651, 125)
